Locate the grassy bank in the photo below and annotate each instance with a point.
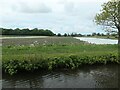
(51, 53)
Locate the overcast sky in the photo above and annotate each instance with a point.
(60, 16)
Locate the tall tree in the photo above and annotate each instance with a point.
(110, 16)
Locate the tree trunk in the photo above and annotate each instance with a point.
(119, 37)
(118, 27)
(119, 43)
(118, 23)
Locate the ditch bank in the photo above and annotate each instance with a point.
(69, 62)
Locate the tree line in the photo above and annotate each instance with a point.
(42, 32)
(87, 35)
(35, 31)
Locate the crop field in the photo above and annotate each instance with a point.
(53, 52)
(39, 41)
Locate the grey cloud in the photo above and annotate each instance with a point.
(32, 8)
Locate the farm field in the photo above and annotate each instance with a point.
(39, 40)
(60, 44)
(53, 52)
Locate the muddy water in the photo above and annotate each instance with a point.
(96, 76)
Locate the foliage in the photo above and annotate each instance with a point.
(35, 31)
(59, 35)
(110, 16)
(70, 62)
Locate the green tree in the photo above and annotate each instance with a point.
(59, 34)
(102, 34)
(98, 34)
(94, 34)
(65, 35)
(17, 31)
(110, 16)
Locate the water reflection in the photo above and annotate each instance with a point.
(105, 76)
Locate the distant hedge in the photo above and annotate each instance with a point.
(35, 31)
